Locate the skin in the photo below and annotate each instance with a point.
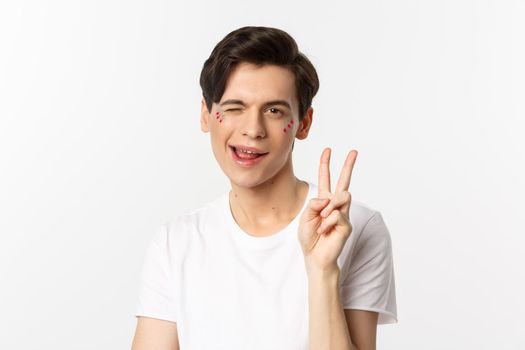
(267, 197)
(324, 228)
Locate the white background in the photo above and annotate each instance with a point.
(100, 143)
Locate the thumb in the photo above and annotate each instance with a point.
(315, 206)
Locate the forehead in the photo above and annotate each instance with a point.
(257, 84)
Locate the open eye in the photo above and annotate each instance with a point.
(275, 111)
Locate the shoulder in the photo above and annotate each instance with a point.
(185, 226)
(363, 216)
(370, 223)
(370, 235)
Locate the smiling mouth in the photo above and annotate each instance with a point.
(246, 155)
(246, 158)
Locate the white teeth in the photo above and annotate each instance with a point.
(243, 151)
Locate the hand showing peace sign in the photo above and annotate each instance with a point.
(324, 225)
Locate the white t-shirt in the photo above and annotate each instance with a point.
(229, 290)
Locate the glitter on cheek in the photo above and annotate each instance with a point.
(289, 125)
(219, 117)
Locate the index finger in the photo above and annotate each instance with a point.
(346, 173)
(324, 174)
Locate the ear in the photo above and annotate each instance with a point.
(304, 125)
(205, 114)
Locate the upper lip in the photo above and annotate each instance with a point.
(248, 148)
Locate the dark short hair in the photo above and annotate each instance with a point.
(258, 45)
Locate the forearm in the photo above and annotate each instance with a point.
(327, 324)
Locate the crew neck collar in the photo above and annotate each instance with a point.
(265, 242)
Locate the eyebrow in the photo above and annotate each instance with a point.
(240, 102)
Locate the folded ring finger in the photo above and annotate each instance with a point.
(338, 200)
(328, 222)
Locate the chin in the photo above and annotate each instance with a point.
(251, 178)
(246, 181)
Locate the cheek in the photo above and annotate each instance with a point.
(219, 116)
(289, 126)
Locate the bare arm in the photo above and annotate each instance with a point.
(327, 324)
(362, 326)
(332, 327)
(155, 334)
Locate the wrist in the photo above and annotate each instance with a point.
(324, 272)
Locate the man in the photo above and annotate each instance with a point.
(277, 262)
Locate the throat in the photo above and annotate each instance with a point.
(273, 221)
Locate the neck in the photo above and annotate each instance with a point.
(268, 204)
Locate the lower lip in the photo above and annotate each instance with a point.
(246, 162)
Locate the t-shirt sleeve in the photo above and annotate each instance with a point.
(369, 282)
(156, 296)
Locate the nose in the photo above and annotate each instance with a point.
(253, 125)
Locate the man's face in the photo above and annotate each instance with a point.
(248, 117)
